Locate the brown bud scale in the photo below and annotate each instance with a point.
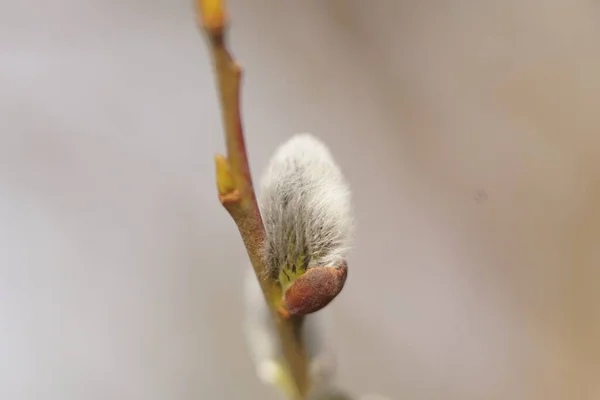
(315, 289)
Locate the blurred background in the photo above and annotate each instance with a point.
(469, 131)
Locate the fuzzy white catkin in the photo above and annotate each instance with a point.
(305, 199)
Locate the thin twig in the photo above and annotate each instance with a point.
(236, 191)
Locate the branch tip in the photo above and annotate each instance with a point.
(212, 16)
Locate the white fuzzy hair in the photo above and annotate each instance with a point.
(305, 200)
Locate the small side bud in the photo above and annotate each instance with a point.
(315, 289)
(225, 183)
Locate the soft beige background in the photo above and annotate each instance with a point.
(469, 131)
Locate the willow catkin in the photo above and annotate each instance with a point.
(305, 204)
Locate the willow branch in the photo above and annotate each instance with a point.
(235, 188)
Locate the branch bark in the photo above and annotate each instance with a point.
(235, 188)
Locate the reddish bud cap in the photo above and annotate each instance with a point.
(315, 289)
